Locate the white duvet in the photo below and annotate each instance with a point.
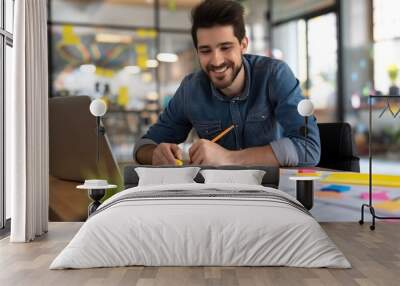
(207, 230)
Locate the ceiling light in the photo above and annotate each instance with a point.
(152, 95)
(152, 64)
(147, 77)
(167, 57)
(88, 68)
(132, 69)
(113, 38)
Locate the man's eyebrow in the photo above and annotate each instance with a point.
(219, 45)
(203, 47)
(225, 43)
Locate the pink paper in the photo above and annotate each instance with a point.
(379, 196)
(306, 171)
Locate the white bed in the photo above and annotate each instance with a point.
(201, 224)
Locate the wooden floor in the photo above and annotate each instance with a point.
(374, 255)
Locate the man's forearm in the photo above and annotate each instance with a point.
(263, 155)
(145, 154)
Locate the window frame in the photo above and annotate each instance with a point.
(6, 39)
(336, 9)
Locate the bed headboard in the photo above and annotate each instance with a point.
(270, 179)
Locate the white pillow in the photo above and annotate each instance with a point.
(163, 176)
(248, 177)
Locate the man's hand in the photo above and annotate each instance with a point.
(205, 152)
(166, 154)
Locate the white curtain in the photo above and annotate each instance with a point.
(27, 166)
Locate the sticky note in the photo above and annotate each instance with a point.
(336, 188)
(123, 96)
(308, 175)
(141, 55)
(379, 196)
(172, 5)
(328, 195)
(147, 33)
(390, 206)
(362, 179)
(307, 171)
(69, 36)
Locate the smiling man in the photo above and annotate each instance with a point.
(257, 95)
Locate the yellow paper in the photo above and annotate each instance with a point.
(123, 97)
(390, 206)
(104, 72)
(308, 174)
(141, 54)
(362, 179)
(69, 36)
(147, 33)
(172, 5)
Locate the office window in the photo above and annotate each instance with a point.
(172, 73)
(6, 41)
(8, 74)
(9, 15)
(101, 49)
(132, 53)
(174, 16)
(287, 9)
(115, 65)
(2, 194)
(309, 46)
(386, 20)
(138, 13)
(322, 57)
(386, 79)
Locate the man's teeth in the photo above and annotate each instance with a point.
(221, 70)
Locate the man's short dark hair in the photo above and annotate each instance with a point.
(211, 13)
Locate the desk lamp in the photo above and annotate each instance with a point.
(304, 184)
(98, 108)
(305, 109)
(97, 188)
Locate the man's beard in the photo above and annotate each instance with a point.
(233, 75)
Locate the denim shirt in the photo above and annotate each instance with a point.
(265, 113)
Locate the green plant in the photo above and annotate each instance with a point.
(393, 72)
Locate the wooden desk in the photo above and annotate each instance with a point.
(334, 207)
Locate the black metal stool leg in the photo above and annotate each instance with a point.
(371, 209)
(361, 221)
(96, 195)
(305, 193)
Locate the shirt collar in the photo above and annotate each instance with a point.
(243, 96)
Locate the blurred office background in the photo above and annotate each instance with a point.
(134, 54)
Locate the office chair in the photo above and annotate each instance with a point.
(337, 147)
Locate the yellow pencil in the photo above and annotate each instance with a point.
(222, 134)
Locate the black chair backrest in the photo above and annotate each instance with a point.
(337, 147)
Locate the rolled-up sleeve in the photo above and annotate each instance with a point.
(285, 152)
(172, 126)
(140, 143)
(285, 93)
